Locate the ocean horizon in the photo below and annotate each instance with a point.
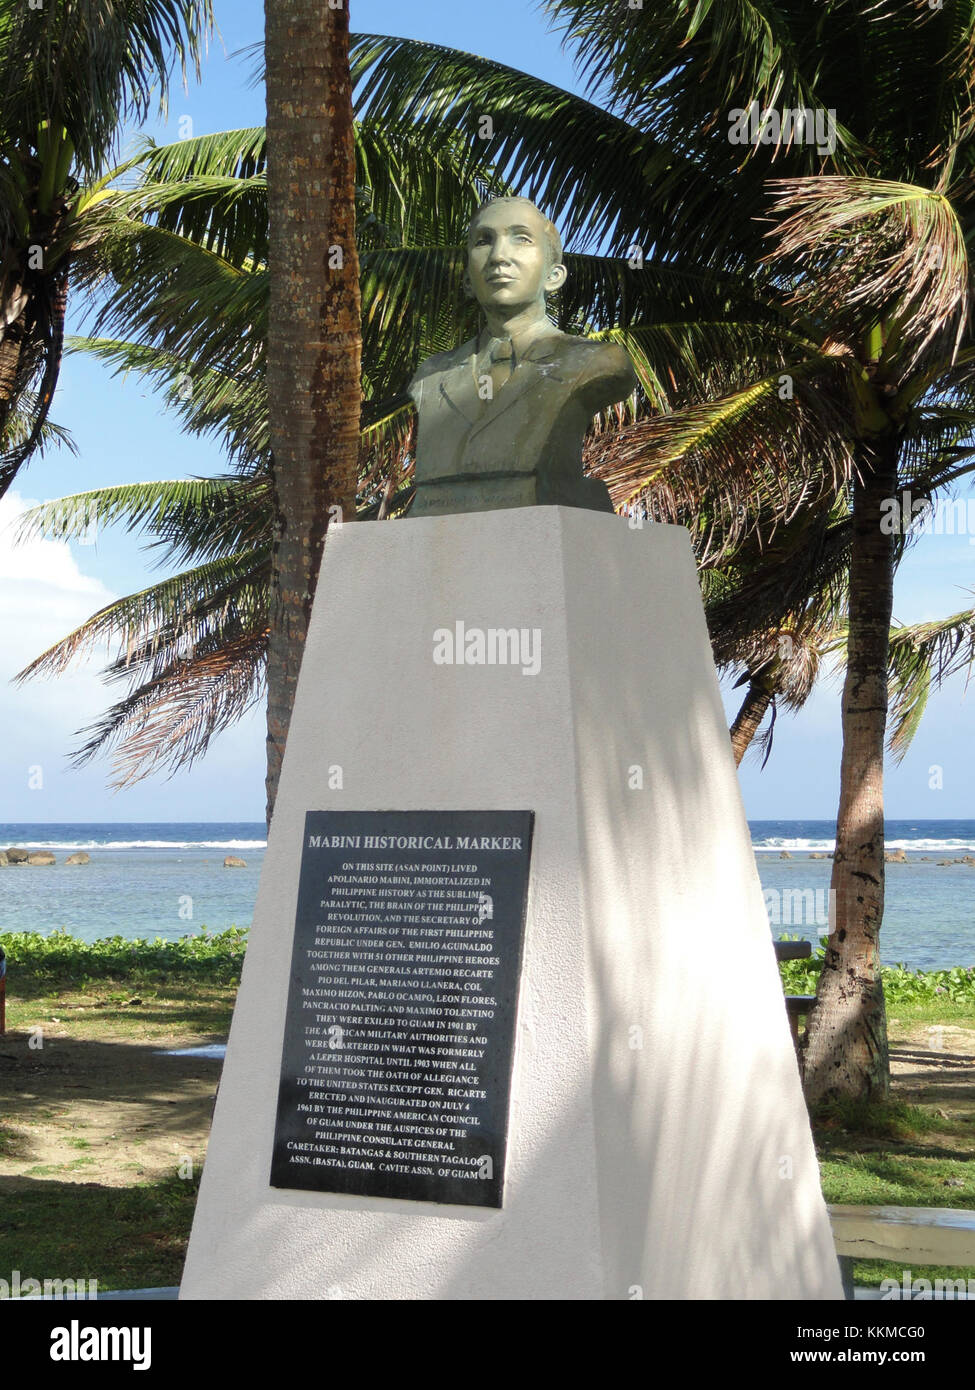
(166, 879)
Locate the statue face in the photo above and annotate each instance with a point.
(508, 258)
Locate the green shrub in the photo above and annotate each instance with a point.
(37, 963)
(901, 986)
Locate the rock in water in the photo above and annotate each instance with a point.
(785, 854)
(895, 856)
(232, 862)
(17, 856)
(80, 858)
(41, 857)
(4, 861)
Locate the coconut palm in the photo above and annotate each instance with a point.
(186, 254)
(71, 73)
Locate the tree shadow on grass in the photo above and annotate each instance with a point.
(30, 981)
(123, 1237)
(125, 1075)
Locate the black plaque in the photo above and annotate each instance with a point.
(398, 1042)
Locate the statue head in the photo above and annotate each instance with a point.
(514, 257)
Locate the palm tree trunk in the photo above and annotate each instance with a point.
(11, 347)
(749, 718)
(314, 339)
(845, 1048)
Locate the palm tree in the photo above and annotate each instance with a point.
(886, 264)
(71, 72)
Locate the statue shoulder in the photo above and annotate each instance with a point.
(437, 364)
(596, 358)
(611, 355)
(592, 350)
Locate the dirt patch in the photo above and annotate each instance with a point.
(111, 1111)
(934, 1065)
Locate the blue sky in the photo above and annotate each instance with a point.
(124, 436)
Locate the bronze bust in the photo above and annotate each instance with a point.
(503, 417)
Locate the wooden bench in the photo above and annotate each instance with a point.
(926, 1235)
(792, 950)
(797, 1005)
(908, 1235)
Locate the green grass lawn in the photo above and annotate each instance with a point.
(103, 1009)
(120, 999)
(127, 1237)
(917, 1150)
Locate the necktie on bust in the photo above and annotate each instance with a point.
(501, 362)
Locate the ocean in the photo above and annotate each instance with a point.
(167, 879)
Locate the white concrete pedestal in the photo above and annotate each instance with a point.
(658, 1144)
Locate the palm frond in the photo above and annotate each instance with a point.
(169, 721)
(682, 70)
(598, 176)
(183, 298)
(765, 586)
(681, 363)
(182, 613)
(395, 337)
(194, 518)
(874, 252)
(226, 154)
(91, 68)
(20, 424)
(224, 213)
(759, 454)
(388, 443)
(922, 656)
(416, 186)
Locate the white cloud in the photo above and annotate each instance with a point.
(48, 563)
(44, 594)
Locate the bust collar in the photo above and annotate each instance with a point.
(530, 342)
